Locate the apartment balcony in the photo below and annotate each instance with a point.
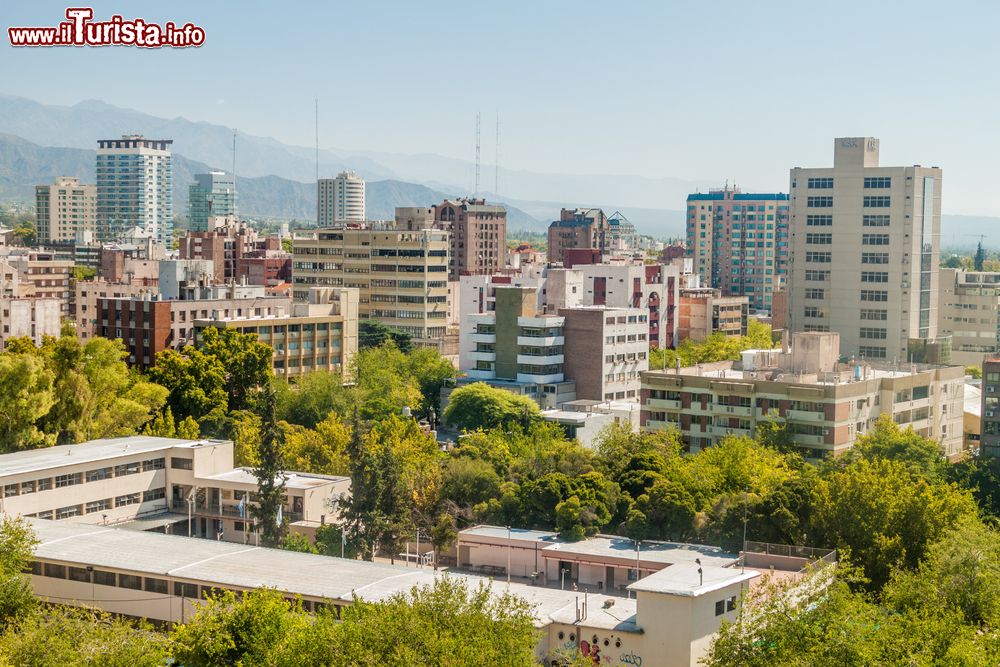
(723, 431)
(480, 375)
(532, 360)
(734, 410)
(656, 425)
(809, 440)
(805, 416)
(540, 379)
(482, 356)
(483, 338)
(541, 341)
(543, 321)
(227, 511)
(662, 404)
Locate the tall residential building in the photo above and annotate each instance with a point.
(704, 311)
(65, 211)
(739, 242)
(401, 272)
(340, 199)
(134, 187)
(478, 235)
(606, 350)
(211, 195)
(968, 302)
(578, 228)
(989, 439)
(825, 404)
(864, 254)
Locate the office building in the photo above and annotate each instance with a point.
(605, 351)
(65, 211)
(134, 187)
(739, 242)
(478, 235)
(319, 335)
(340, 199)
(865, 252)
(42, 276)
(400, 272)
(989, 439)
(29, 317)
(231, 244)
(703, 311)
(211, 195)
(578, 228)
(826, 404)
(89, 292)
(185, 487)
(967, 312)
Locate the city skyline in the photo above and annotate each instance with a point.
(680, 92)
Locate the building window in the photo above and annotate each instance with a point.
(814, 293)
(820, 202)
(875, 221)
(79, 574)
(128, 469)
(181, 464)
(871, 352)
(874, 258)
(185, 590)
(818, 257)
(872, 333)
(153, 585)
(819, 239)
(720, 607)
(98, 505)
(130, 581)
(67, 512)
(825, 183)
(99, 474)
(817, 275)
(870, 314)
(67, 480)
(874, 295)
(153, 494)
(873, 201)
(878, 182)
(812, 311)
(153, 464)
(874, 276)
(875, 239)
(819, 221)
(104, 578)
(54, 571)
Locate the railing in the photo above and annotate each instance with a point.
(790, 551)
(228, 511)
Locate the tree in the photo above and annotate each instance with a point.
(921, 456)
(82, 273)
(26, 396)
(980, 258)
(331, 540)
(17, 547)
(246, 362)
(372, 333)
(323, 450)
(466, 482)
(479, 405)
(269, 472)
(884, 516)
(383, 384)
(196, 383)
(975, 372)
(313, 397)
(666, 511)
(298, 542)
(431, 371)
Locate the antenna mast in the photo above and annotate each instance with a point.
(477, 152)
(317, 139)
(496, 166)
(234, 173)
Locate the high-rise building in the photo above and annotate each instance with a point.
(968, 304)
(211, 195)
(578, 228)
(134, 187)
(65, 211)
(401, 272)
(340, 199)
(989, 439)
(739, 242)
(864, 254)
(478, 235)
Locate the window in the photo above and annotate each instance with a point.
(153, 585)
(875, 221)
(67, 480)
(817, 275)
(45, 484)
(27, 487)
(814, 293)
(54, 571)
(878, 182)
(871, 352)
(153, 494)
(819, 239)
(99, 474)
(181, 464)
(874, 258)
(812, 311)
(98, 505)
(128, 469)
(183, 590)
(79, 574)
(819, 221)
(130, 581)
(874, 295)
(820, 202)
(870, 314)
(731, 603)
(821, 183)
(874, 276)
(875, 239)
(818, 257)
(153, 464)
(872, 333)
(67, 512)
(128, 499)
(9, 490)
(720, 607)
(872, 201)
(104, 578)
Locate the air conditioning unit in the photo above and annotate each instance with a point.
(826, 431)
(991, 387)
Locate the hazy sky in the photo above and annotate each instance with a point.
(699, 90)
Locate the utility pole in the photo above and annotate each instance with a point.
(477, 152)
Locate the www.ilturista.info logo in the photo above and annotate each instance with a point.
(80, 30)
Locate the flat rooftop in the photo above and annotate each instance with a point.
(666, 553)
(500, 532)
(684, 579)
(92, 451)
(844, 376)
(293, 480)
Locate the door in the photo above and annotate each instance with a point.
(609, 579)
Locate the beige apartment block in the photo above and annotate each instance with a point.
(65, 211)
(29, 317)
(88, 294)
(185, 487)
(605, 350)
(401, 273)
(41, 275)
(967, 311)
(340, 199)
(864, 254)
(826, 404)
(703, 311)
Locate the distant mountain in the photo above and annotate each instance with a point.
(23, 165)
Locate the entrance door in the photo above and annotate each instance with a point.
(609, 579)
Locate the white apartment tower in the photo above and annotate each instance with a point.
(134, 187)
(341, 199)
(864, 254)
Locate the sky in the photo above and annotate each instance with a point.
(701, 90)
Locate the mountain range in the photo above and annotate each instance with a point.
(39, 142)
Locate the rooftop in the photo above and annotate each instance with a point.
(293, 480)
(91, 451)
(684, 579)
(667, 553)
(515, 533)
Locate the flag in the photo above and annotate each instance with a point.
(277, 517)
(242, 507)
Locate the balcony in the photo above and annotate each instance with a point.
(663, 404)
(541, 341)
(655, 425)
(540, 379)
(480, 375)
(723, 431)
(805, 416)
(482, 356)
(809, 440)
(483, 338)
(532, 360)
(734, 410)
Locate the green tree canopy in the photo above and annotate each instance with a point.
(479, 405)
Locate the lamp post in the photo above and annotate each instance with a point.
(508, 554)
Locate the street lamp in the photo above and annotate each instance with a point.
(508, 555)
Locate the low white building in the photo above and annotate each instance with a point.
(29, 317)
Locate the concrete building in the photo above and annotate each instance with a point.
(519, 348)
(825, 404)
(476, 294)
(43, 276)
(319, 335)
(990, 412)
(967, 312)
(89, 292)
(703, 311)
(401, 273)
(578, 228)
(340, 199)
(739, 242)
(65, 211)
(229, 243)
(211, 195)
(134, 187)
(29, 317)
(478, 235)
(187, 487)
(585, 420)
(605, 351)
(621, 233)
(865, 254)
